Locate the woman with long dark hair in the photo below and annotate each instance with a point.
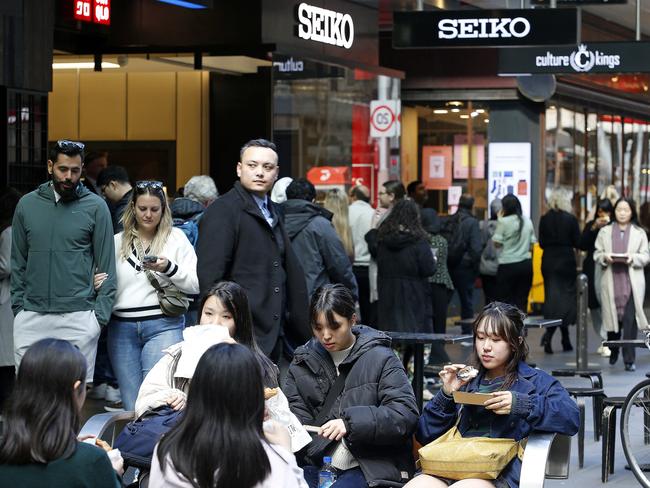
(522, 399)
(224, 306)
(622, 252)
(368, 426)
(516, 236)
(602, 216)
(149, 249)
(559, 236)
(404, 262)
(39, 445)
(220, 441)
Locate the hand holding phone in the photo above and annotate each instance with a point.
(150, 258)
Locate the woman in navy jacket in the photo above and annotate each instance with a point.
(523, 399)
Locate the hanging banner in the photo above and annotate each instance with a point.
(461, 157)
(484, 28)
(436, 167)
(592, 57)
(509, 172)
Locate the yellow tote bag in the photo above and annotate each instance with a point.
(456, 457)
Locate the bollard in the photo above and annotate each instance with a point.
(582, 360)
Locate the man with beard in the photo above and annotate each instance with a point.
(61, 236)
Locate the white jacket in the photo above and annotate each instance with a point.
(135, 297)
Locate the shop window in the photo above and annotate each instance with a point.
(26, 139)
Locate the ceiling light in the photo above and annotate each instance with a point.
(480, 111)
(615, 79)
(455, 110)
(84, 65)
(455, 103)
(440, 111)
(552, 107)
(474, 114)
(185, 4)
(487, 121)
(464, 116)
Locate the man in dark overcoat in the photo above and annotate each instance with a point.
(242, 239)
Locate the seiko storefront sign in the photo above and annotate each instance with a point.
(483, 28)
(327, 26)
(611, 57)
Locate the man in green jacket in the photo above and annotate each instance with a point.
(62, 235)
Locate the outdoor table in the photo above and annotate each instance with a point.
(418, 340)
(529, 322)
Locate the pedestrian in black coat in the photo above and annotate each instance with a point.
(404, 262)
(369, 428)
(241, 239)
(559, 237)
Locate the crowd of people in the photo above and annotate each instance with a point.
(202, 304)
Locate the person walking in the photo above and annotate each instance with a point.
(115, 186)
(337, 203)
(559, 237)
(149, 248)
(602, 216)
(242, 239)
(516, 236)
(622, 251)
(464, 265)
(360, 215)
(314, 239)
(61, 236)
(490, 256)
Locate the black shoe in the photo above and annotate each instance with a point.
(566, 346)
(547, 344)
(630, 367)
(613, 357)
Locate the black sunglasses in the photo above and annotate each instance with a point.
(152, 184)
(65, 145)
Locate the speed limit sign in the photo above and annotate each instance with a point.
(384, 118)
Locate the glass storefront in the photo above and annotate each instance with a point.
(321, 116)
(588, 149)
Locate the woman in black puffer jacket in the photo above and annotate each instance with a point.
(368, 430)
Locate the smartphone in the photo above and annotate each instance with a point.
(619, 258)
(150, 258)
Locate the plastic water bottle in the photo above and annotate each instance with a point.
(327, 474)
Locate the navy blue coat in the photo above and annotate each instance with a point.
(541, 404)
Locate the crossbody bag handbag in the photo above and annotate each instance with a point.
(173, 302)
(455, 457)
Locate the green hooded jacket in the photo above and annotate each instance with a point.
(56, 250)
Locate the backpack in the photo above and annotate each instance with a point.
(189, 227)
(490, 255)
(456, 243)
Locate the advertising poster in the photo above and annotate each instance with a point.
(461, 157)
(453, 196)
(509, 172)
(436, 167)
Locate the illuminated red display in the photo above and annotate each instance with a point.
(97, 11)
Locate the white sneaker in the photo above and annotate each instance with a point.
(606, 352)
(599, 350)
(97, 392)
(112, 394)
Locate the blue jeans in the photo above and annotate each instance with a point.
(350, 478)
(135, 347)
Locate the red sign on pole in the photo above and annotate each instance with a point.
(97, 11)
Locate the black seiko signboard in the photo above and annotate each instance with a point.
(484, 28)
(596, 57)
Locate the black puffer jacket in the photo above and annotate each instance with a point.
(377, 405)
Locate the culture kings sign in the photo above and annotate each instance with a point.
(597, 57)
(484, 28)
(326, 26)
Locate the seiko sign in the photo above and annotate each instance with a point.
(326, 26)
(484, 28)
(613, 57)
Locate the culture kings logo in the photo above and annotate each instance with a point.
(326, 26)
(581, 60)
(486, 28)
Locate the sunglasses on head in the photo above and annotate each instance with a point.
(149, 184)
(65, 145)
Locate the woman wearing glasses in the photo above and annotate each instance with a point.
(139, 332)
